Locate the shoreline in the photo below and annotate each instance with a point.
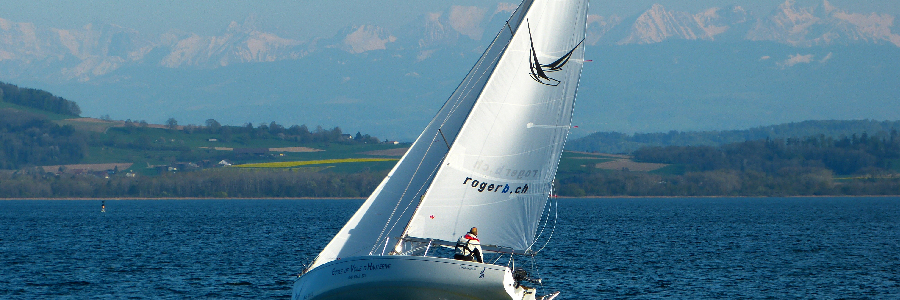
(189, 198)
(364, 198)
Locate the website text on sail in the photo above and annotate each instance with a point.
(486, 160)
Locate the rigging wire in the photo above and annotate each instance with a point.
(545, 220)
(393, 223)
(535, 270)
(455, 105)
(545, 216)
(552, 229)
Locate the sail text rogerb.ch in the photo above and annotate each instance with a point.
(490, 187)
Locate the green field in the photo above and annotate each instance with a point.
(148, 147)
(153, 149)
(292, 164)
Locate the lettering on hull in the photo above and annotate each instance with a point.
(355, 269)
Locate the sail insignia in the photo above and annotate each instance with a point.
(487, 160)
(539, 71)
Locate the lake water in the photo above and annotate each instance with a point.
(661, 248)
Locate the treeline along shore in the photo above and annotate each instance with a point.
(219, 183)
(812, 166)
(42, 135)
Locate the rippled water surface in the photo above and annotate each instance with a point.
(691, 248)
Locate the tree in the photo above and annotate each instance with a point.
(38, 99)
(213, 125)
(275, 128)
(172, 123)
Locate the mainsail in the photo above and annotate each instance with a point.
(498, 173)
(488, 157)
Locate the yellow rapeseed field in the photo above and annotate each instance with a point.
(291, 164)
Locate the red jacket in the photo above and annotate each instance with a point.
(469, 246)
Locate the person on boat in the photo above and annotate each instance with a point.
(468, 247)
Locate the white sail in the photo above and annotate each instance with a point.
(499, 170)
(487, 160)
(387, 212)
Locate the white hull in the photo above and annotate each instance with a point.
(487, 159)
(408, 277)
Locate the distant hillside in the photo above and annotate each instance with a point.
(797, 166)
(40, 129)
(615, 142)
(29, 139)
(38, 99)
(720, 68)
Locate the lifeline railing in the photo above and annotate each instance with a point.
(428, 243)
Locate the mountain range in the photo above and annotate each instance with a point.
(720, 68)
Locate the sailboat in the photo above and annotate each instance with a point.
(486, 160)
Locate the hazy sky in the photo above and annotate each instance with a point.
(302, 19)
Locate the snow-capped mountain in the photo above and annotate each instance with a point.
(28, 50)
(92, 51)
(789, 23)
(96, 50)
(718, 68)
(658, 24)
(240, 43)
(823, 25)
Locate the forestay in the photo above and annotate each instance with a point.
(499, 170)
(387, 212)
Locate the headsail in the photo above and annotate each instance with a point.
(498, 172)
(387, 212)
